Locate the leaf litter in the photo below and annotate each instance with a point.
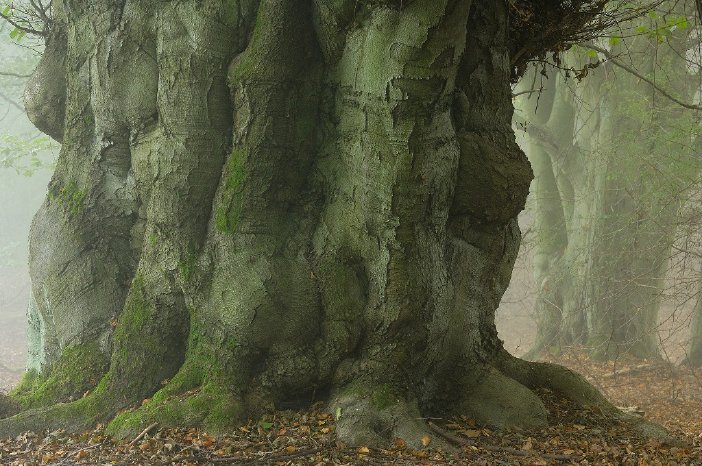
(665, 394)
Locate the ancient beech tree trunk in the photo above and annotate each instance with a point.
(264, 203)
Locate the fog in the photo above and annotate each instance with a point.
(25, 168)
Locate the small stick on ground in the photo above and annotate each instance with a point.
(143, 433)
(78, 452)
(512, 451)
(267, 458)
(631, 370)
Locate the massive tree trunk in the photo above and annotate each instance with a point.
(263, 203)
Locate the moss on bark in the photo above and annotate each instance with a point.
(77, 372)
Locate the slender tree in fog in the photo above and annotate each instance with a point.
(613, 158)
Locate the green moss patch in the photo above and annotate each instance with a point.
(227, 216)
(211, 406)
(78, 370)
(380, 396)
(70, 196)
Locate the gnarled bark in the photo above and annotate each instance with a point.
(264, 202)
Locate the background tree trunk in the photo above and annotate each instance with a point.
(694, 356)
(609, 174)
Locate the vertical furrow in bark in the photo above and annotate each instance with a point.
(388, 163)
(180, 166)
(262, 295)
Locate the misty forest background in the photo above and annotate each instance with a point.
(611, 259)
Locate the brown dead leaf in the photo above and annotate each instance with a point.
(399, 444)
(471, 433)
(426, 440)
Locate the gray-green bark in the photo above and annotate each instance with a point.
(267, 201)
(608, 178)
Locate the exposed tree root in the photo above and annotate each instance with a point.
(376, 417)
(76, 416)
(210, 406)
(197, 395)
(503, 402)
(8, 406)
(369, 415)
(574, 387)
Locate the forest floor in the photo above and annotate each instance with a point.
(671, 396)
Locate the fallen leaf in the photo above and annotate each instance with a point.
(426, 440)
(400, 444)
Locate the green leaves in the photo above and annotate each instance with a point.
(265, 425)
(661, 27)
(17, 34)
(614, 40)
(26, 155)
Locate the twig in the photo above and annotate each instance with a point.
(143, 433)
(612, 59)
(512, 451)
(530, 91)
(25, 29)
(77, 452)
(449, 436)
(14, 75)
(539, 132)
(12, 102)
(267, 458)
(40, 10)
(630, 370)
